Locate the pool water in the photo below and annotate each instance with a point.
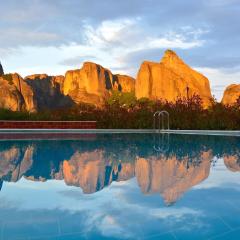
(121, 186)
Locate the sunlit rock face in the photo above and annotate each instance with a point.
(14, 162)
(47, 91)
(92, 83)
(232, 163)
(10, 97)
(125, 83)
(26, 92)
(15, 94)
(171, 177)
(171, 79)
(1, 70)
(92, 171)
(231, 94)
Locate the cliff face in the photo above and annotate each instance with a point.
(171, 79)
(92, 83)
(168, 80)
(15, 94)
(231, 94)
(48, 91)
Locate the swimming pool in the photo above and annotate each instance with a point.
(120, 186)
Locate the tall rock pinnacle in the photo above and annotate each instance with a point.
(171, 79)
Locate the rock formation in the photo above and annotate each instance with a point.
(15, 94)
(171, 79)
(92, 83)
(48, 91)
(231, 94)
(1, 70)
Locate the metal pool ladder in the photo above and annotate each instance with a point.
(159, 120)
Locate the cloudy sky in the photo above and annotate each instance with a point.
(52, 36)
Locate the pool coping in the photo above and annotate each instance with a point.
(123, 131)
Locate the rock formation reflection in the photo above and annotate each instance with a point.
(94, 164)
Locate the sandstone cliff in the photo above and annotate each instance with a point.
(171, 79)
(92, 83)
(231, 94)
(15, 94)
(48, 91)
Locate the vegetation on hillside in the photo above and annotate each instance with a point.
(125, 111)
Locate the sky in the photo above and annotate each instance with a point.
(53, 36)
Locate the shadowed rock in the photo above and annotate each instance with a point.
(1, 70)
(47, 91)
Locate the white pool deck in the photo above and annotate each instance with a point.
(119, 131)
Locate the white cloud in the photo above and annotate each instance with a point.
(108, 42)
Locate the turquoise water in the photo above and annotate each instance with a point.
(120, 186)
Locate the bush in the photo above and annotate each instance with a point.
(124, 111)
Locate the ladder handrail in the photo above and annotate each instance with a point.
(161, 115)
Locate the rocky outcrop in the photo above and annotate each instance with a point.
(93, 83)
(26, 92)
(47, 91)
(1, 70)
(125, 83)
(231, 94)
(171, 79)
(10, 97)
(15, 94)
